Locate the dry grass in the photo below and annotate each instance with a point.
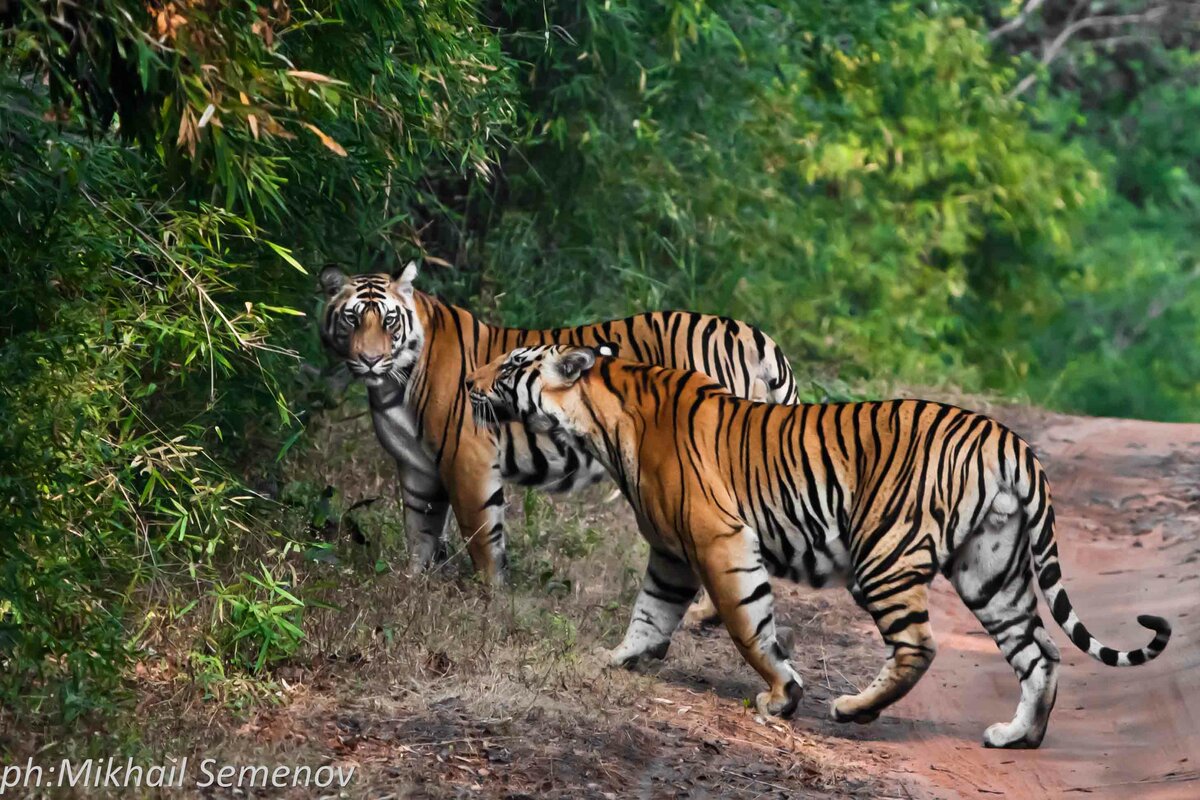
(436, 688)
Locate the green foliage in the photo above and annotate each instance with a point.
(259, 618)
(154, 281)
(834, 171)
(1115, 331)
(116, 388)
(1121, 338)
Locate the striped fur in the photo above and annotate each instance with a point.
(413, 352)
(881, 495)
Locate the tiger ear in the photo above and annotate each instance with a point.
(574, 363)
(608, 349)
(403, 281)
(332, 279)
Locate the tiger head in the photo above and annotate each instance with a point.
(370, 322)
(534, 385)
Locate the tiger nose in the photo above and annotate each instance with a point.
(370, 361)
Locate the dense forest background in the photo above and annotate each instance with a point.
(997, 196)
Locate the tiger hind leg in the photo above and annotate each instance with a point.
(903, 619)
(993, 575)
(740, 587)
(667, 589)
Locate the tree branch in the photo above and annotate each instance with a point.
(1017, 21)
(1052, 50)
(1055, 47)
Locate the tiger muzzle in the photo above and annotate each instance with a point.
(489, 412)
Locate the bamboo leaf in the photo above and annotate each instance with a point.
(286, 255)
(326, 139)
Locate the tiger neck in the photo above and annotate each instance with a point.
(614, 424)
(453, 343)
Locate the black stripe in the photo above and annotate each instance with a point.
(685, 592)
(1049, 576)
(1061, 608)
(905, 622)
(761, 591)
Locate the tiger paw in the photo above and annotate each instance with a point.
(612, 658)
(702, 612)
(844, 709)
(783, 705)
(1009, 735)
(628, 658)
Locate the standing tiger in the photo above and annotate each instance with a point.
(413, 351)
(886, 494)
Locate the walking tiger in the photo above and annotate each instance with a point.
(883, 495)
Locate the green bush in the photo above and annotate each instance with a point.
(836, 172)
(166, 169)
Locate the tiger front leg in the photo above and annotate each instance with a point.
(422, 483)
(426, 506)
(669, 585)
(477, 497)
(740, 587)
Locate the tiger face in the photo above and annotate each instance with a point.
(533, 385)
(370, 323)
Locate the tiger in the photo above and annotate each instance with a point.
(412, 350)
(883, 495)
